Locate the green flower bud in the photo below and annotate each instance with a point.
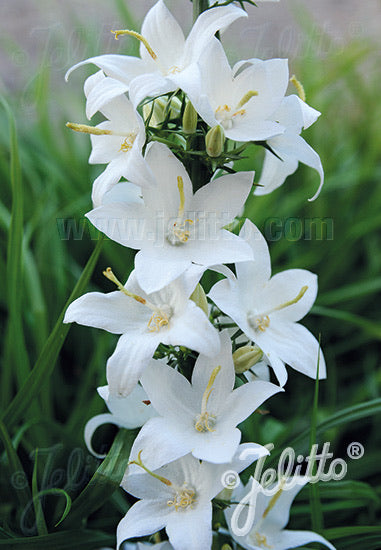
(214, 141)
(189, 119)
(246, 357)
(226, 547)
(199, 298)
(159, 110)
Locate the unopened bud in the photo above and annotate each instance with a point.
(189, 119)
(199, 298)
(160, 111)
(214, 141)
(226, 547)
(246, 357)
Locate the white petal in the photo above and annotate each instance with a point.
(295, 114)
(191, 529)
(248, 398)
(124, 192)
(217, 448)
(225, 379)
(274, 172)
(227, 297)
(164, 35)
(206, 26)
(169, 391)
(224, 197)
(124, 223)
(286, 286)
(120, 67)
(294, 539)
(131, 356)
(222, 247)
(143, 518)
(254, 274)
(131, 411)
(104, 92)
(155, 270)
(159, 442)
(248, 130)
(113, 312)
(194, 331)
(104, 182)
(149, 85)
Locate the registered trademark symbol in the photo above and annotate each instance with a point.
(355, 450)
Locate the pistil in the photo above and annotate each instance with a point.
(205, 421)
(139, 37)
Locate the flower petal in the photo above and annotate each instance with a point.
(149, 85)
(131, 356)
(120, 67)
(286, 539)
(248, 398)
(191, 529)
(92, 425)
(143, 518)
(256, 273)
(104, 92)
(274, 172)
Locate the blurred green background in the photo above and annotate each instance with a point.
(45, 244)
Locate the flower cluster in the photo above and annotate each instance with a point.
(176, 119)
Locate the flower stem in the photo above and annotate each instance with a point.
(198, 7)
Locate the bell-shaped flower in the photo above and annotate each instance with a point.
(117, 142)
(267, 309)
(167, 59)
(242, 100)
(198, 417)
(127, 412)
(258, 522)
(290, 148)
(173, 227)
(178, 497)
(145, 321)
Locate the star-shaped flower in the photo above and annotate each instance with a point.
(267, 513)
(242, 100)
(167, 59)
(174, 227)
(178, 497)
(294, 114)
(267, 309)
(201, 417)
(145, 321)
(127, 412)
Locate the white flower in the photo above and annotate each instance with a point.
(118, 141)
(267, 512)
(267, 309)
(145, 321)
(127, 412)
(243, 99)
(167, 58)
(174, 228)
(178, 497)
(294, 114)
(201, 417)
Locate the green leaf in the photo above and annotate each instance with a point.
(79, 539)
(15, 467)
(316, 509)
(40, 519)
(106, 479)
(48, 357)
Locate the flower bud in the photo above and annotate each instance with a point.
(159, 110)
(189, 119)
(246, 357)
(199, 298)
(214, 141)
(226, 547)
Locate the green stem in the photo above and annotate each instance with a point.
(198, 7)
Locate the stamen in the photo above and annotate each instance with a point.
(139, 462)
(85, 129)
(157, 321)
(184, 498)
(274, 498)
(203, 419)
(128, 143)
(261, 540)
(246, 98)
(240, 112)
(299, 87)
(180, 185)
(139, 37)
(223, 108)
(111, 277)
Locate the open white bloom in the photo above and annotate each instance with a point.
(242, 100)
(173, 227)
(294, 114)
(178, 497)
(118, 141)
(167, 59)
(267, 309)
(145, 321)
(267, 512)
(127, 412)
(198, 417)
